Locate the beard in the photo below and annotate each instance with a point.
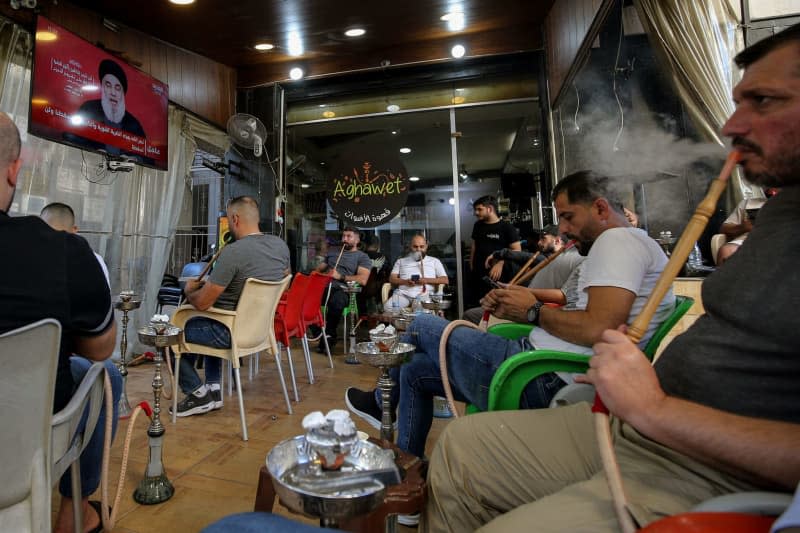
(780, 170)
(348, 246)
(417, 256)
(582, 246)
(114, 113)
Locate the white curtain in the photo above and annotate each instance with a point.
(128, 218)
(697, 42)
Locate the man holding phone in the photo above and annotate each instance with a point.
(414, 274)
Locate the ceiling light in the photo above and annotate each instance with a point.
(295, 44)
(458, 100)
(264, 46)
(394, 132)
(458, 51)
(46, 36)
(451, 201)
(413, 178)
(296, 73)
(462, 173)
(405, 150)
(304, 185)
(355, 32)
(393, 108)
(182, 2)
(328, 114)
(455, 20)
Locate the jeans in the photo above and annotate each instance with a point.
(333, 311)
(473, 356)
(92, 456)
(208, 332)
(260, 523)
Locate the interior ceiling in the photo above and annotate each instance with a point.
(400, 33)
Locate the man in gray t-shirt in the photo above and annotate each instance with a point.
(252, 255)
(349, 264)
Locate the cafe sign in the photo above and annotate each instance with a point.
(368, 190)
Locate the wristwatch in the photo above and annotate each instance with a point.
(533, 313)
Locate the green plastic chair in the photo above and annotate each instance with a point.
(520, 369)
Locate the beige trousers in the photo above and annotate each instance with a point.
(540, 470)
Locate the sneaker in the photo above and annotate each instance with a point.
(194, 405)
(314, 331)
(216, 396)
(362, 404)
(408, 520)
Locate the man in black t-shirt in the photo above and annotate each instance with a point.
(489, 234)
(54, 274)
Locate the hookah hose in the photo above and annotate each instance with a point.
(328, 295)
(448, 391)
(109, 520)
(637, 329)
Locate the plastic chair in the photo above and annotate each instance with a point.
(252, 331)
(68, 439)
(28, 363)
(313, 315)
(289, 323)
(511, 378)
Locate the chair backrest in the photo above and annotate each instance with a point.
(682, 305)
(255, 313)
(28, 363)
(290, 318)
(317, 283)
(67, 442)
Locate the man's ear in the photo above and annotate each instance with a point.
(12, 172)
(603, 208)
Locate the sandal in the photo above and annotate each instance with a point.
(98, 507)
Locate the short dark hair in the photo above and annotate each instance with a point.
(352, 229)
(585, 186)
(486, 201)
(10, 143)
(108, 66)
(754, 52)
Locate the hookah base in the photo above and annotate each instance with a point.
(124, 408)
(153, 489)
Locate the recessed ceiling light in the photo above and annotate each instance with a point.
(322, 105)
(394, 132)
(405, 150)
(458, 100)
(296, 73)
(264, 46)
(304, 185)
(393, 108)
(413, 178)
(182, 2)
(451, 201)
(455, 20)
(458, 51)
(355, 32)
(328, 114)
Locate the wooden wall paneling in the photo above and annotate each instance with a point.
(570, 28)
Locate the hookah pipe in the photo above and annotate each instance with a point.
(523, 276)
(338, 258)
(637, 329)
(226, 239)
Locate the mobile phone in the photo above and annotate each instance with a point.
(414, 277)
(492, 283)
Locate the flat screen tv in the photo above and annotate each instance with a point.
(85, 97)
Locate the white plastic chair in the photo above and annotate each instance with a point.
(28, 363)
(67, 442)
(251, 327)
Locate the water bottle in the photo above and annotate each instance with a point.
(417, 305)
(395, 303)
(695, 260)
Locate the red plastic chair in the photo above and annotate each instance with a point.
(288, 322)
(312, 313)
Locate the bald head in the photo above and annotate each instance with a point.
(60, 217)
(243, 216)
(9, 160)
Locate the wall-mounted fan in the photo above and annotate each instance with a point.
(248, 132)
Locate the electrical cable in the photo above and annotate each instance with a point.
(577, 108)
(615, 146)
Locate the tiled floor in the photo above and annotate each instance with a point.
(213, 471)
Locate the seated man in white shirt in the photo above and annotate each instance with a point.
(414, 274)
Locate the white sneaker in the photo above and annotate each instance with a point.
(216, 396)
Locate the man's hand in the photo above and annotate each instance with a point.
(511, 302)
(623, 377)
(193, 285)
(496, 271)
(489, 261)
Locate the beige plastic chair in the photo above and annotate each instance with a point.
(251, 327)
(28, 362)
(717, 242)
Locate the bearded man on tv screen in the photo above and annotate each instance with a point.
(110, 109)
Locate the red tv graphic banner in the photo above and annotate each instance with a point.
(85, 97)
